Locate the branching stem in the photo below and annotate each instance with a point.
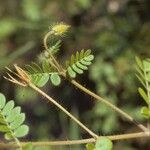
(87, 91)
(82, 141)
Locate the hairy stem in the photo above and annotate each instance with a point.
(63, 109)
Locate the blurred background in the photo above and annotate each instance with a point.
(115, 30)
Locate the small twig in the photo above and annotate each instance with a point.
(25, 80)
(63, 109)
(115, 108)
(55, 63)
(82, 141)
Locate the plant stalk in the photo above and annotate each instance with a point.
(63, 109)
(87, 91)
(82, 141)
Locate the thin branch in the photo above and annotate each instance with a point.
(106, 102)
(63, 109)
(87, 91)
(26, 79)
(82, 141)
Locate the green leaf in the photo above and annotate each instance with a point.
(103, 144)
(55, 79)
(4, 128)
(145, 111)
(141, 80)
(2, 121)
(79, 62)
(139, 63)
(83, 67)
(36, 67)
(11, 120)
(81, 54)
(42, 80)
(28, 146)
(13, 113)
(143, 94)
(21, 131)
(140, 72)
(148, 76)
(71, 73)
(46, 66)
(55, 48)
(90, 146)
(8, 136)
(2, 100)
(18, 121)
(76, 69)
(146, 65)
(8, 107)
(87, 52)
(89, 58)
(87, 63)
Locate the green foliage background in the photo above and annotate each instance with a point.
(115, 30)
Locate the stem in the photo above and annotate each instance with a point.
(106, 102)
(87, 91)
(46, 47)
(63, 109)
(82, 141)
